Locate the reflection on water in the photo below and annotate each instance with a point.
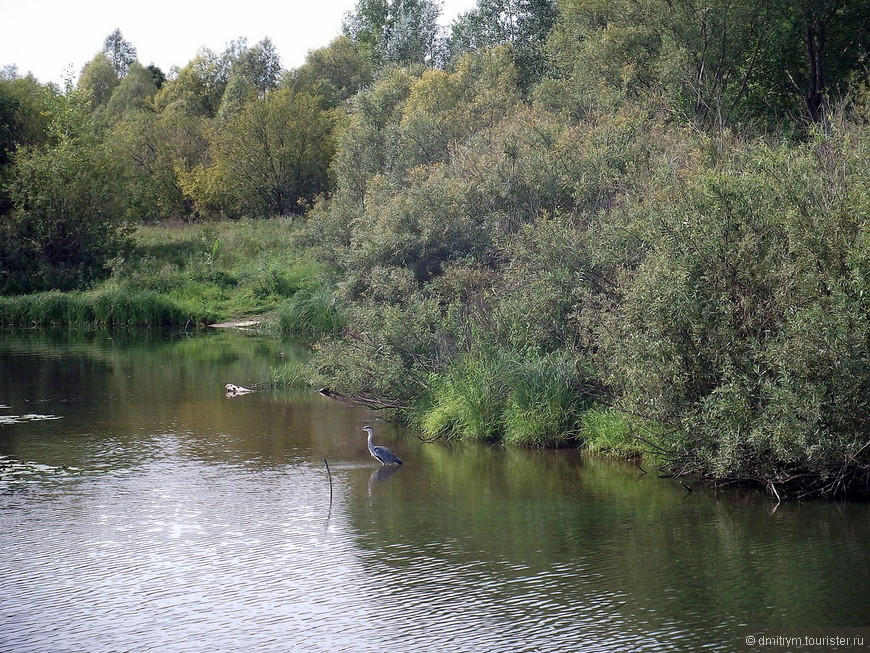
(158, 514)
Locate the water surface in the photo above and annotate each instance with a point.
(142, 510)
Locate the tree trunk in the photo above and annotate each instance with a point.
(815, 89)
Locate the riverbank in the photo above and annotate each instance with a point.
(179, 275)
(452, 380)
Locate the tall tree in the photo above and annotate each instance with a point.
(120, 51)
(198, 87)
(98, 79)
(525, 24)
(395, 31)
(67, 206)
(136, 91)
(269, 158)
(334, 73)
(718, 62)
(252, 73)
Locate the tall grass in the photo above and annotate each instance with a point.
(186, 274)
(608, 432)
(466, 401)
(310, 315)
(545, 402)
(107, 308)
(291, 374)
(522, 399)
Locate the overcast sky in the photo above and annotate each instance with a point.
(53, 37)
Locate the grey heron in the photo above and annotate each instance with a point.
(381, 454)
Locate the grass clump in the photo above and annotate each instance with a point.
(108, 307)
(310, 314)
(521, 399)
(606, 431)
(290, 374)
(544, 402)
(466, 401)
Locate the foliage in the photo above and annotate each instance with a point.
(66, 210)
(159, 152)
(402, 32)
(24, 121)
(198, 87)
(334, 74)
(716, 63)
(120, 52)
(655, 206)
(98, 80)
(270, 158)
(252, 74)
(135, 92)
(523, 24)
(745, 326)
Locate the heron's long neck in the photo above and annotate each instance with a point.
(369, 439)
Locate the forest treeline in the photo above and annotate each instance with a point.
(633, 225)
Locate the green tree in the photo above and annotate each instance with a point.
(270, 158)
(157, 75)
(395, 31)
(252, 73)
(159, 153)
(524, 24)
(744, 326)
(66, 207)
(24, 104)
(136, 91)
(817, 51)
(121, 53)
(335, 73)
(98, 79)
(716, 63)
(198, 88)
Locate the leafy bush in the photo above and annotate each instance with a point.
(746, 325)
(65, 219)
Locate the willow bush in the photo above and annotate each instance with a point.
(746, 325)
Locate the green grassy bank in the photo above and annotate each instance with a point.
(189, 275)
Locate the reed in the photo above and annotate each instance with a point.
(310, 315)
(544, 402)
(466, 401)
(291, 374)
(106, 308)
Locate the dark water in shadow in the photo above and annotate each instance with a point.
(142, 510)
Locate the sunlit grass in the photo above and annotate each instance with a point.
(521, 399)
(181, 274)
(105, 308)
(291, 374)
(310, 315)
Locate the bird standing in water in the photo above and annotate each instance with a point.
(381, 454)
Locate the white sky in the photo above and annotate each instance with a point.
(52, 38)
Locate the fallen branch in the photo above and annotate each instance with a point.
(373, 404)
(329, 475)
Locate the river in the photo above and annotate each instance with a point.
(143, 510)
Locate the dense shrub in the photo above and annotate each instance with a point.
(746, 325)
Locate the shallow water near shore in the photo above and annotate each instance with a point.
(141, 509)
